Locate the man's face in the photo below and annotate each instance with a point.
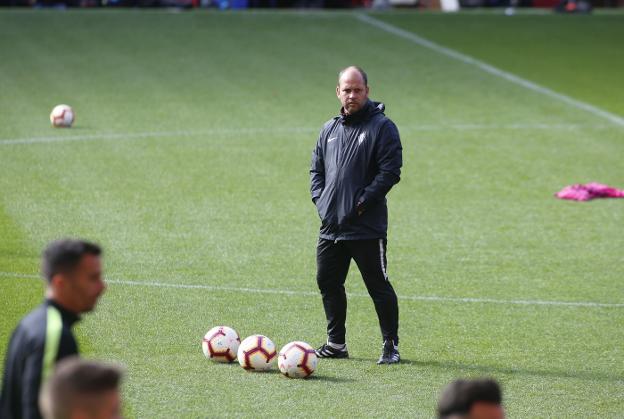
(483, 410)
(84, 285)
(105, 406)
(351, 91)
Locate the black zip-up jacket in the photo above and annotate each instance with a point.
(40, 340)
(355, 163)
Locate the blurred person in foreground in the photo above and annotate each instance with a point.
(81, 389)
(356, 161)
(471, 399)
(73, 271)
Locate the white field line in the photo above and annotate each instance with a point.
(281, 130)
(410, 36)
(432, 298)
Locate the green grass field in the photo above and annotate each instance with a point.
(189, 163)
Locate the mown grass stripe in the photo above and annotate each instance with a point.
(423, 42)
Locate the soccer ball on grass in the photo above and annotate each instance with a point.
(62, 116)
(297, 360)
(256, 353)
(221, 344)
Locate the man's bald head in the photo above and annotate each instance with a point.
(351, 71)
(352, 89)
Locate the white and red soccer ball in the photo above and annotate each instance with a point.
(257, 353)
(221, 344)
(297, 360)
(62, 116)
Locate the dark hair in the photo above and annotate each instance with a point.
(64, 255)
(74, 383)
(459, 396)
(359, 70)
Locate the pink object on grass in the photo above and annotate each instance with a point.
(587, 191)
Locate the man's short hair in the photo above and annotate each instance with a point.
(64, 255)
(359, 70)
(459, 396)
(76, 383)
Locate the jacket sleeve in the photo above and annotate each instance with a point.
(317, 171)
(389, 158)
(31, 383)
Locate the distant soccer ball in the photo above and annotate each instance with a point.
(257, 353)
(62, 116)
(221, 344)
(297, 360)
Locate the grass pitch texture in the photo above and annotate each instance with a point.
(189, 162)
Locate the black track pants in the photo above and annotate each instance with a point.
(333, 259)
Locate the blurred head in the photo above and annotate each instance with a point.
(471, 399)
(81, 389)
(352, 89)
(73, 270)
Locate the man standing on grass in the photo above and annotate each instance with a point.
(355, 163)
(73, 271)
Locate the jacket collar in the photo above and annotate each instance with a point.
(361, 115)
(69, 317)
(369, 109)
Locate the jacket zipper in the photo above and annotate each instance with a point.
(340, 160)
